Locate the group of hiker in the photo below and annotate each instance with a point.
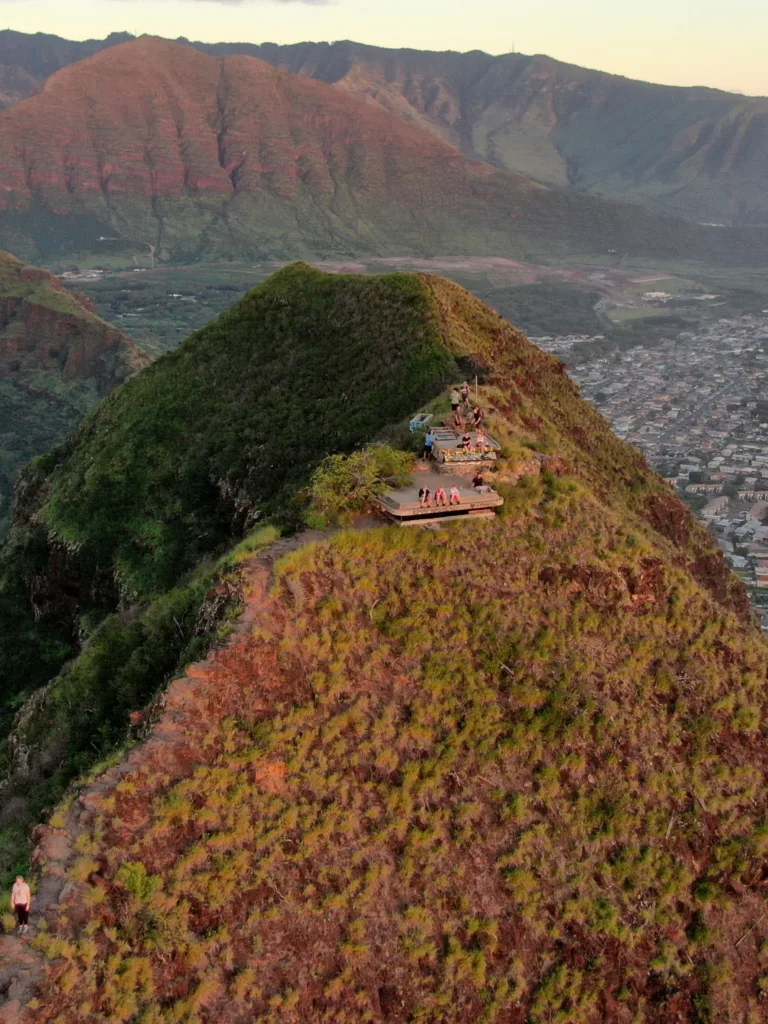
(459, 398)
(461, 407)
(427, 499)
(460, 401)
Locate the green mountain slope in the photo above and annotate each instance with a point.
(508, 771)
(504, 773)
(57, 360)
(115, 531)
(209, 440)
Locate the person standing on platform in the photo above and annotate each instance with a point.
(429, 441)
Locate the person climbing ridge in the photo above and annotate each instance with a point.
(455, 400)
(21, 900)
(465, 394)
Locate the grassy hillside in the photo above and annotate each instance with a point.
(506, 772)
(509, 772)
(225, 428)
(223, 431)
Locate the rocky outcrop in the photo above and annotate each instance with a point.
(43, 327)
(36, 337)
(57, 359)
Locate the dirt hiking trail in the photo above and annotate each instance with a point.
(185, 712)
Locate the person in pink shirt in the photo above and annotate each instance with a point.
(21, 900)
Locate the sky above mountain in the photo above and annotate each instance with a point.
(677, 42)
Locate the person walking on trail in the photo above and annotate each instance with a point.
(455, 400)
(21, 900)
(429, 441)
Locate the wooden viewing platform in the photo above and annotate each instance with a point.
(402, 504)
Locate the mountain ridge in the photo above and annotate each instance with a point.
(560, 123)
(204, 157)
(509, 771)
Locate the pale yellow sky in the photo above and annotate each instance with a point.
(722, 43)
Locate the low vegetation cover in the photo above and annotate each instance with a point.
(81, 717)
(512, 771)
(509, 772)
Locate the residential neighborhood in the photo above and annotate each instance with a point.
(697, 407)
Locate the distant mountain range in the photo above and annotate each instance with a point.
(154, 144)
(698, 152)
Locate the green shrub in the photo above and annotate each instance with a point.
(345, 485)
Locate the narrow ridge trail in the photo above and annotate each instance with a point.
(173, 742)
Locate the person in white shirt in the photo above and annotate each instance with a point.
(21, 900)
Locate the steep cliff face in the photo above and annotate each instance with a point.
(57, 359)
(78, 345)
(696, 152)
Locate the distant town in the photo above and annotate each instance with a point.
(697, 407)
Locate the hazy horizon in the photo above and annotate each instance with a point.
(678, 43)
